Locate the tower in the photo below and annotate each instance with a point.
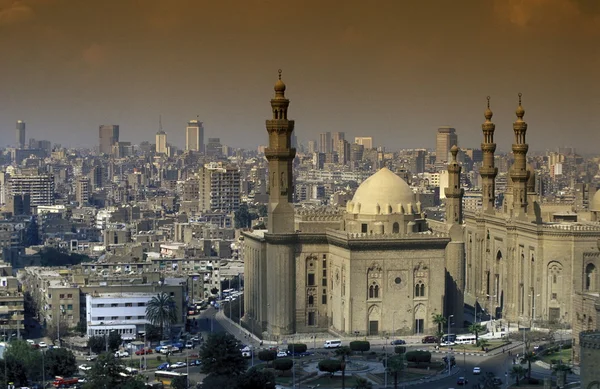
(20, 134)
(280, 155)
(194, 136)
(488, 171)
(109, 135)
(161, 139)
(446, 138)
(454, 193)
(519, 174)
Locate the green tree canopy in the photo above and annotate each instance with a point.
(360, 345)
(529, 357)
(330, 365)
(363, 383)
(283, 364)
(220, 355)
(267, 355)
(23, 354)
(114, 341)
(476, 329)
(60, 361)
(161, 311)
(439, 319)
(395, 365)
(97, 344)
(179, 383)
(517, 372)
(105, 373)
(257, 379)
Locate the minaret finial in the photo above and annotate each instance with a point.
(520, 94)
(488, 101)
(520, 111)
(488, 112)
(279, 71)
(279, 87)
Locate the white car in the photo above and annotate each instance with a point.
(91, 358)
(31, 342)
(121, 354)
(476, 370)
(177, 365)
(85, 367)
(42, 344)
(281, 354)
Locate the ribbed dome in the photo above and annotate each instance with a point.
(383, 189)
(595, 204)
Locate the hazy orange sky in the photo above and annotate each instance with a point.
(392, 69)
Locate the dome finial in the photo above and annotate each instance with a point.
(279, 71)
(520, 111)
(488, 112)
(279, 86)
(454, 150)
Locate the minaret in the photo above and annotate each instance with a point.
(280, 155)
(454, 193)
(488, 171)
(519, 174)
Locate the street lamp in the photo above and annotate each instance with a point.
(448, 345)
(532, 322)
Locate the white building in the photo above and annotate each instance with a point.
(125, 313)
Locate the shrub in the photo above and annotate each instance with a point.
(158, 358)
(267, 355)
(418, 357)
(330, 365)
(283, 364)
(400, 350)
(360, 345)
(297, 348)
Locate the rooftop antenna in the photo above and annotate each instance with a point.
(160, 123)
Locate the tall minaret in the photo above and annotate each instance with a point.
(280, 155)
(454, 193)
(488, 171)
(518, 172)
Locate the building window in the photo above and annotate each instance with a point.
(324, 282)
(128, 304)
(324, 299)
(554, 296)
(324, 263)
(324, 273)
(69, 307)
(100, 305)
(311, 300)
(590, 277)
(311, 319)
(324, 256)
(396, 228)
(114, 318)
(62, 296)
(363, 228)
(100, 317)
(141, 317)
(311, 279)
(141, 304)
(554, 278)
(374, 291)
(420, 289)
(128, 317)
(69, 296)
(113, 305)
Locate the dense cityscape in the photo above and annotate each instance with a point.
(366, 217)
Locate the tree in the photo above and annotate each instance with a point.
(214, 291)
(476, 329)
(212, 381)
(257, 379)
(262, 210)
(60, 361)
(137, 382)
(360, 345)
(330, 365)
(529, 357)
(517, 372)
(395, 365)
(400, 349)
(54, 329)
(105, 373)
(487, 381)
(483, 343)
(267, 356)
(161, 311)
(343, 352)
(220, 355)
(242, 217)
(363, 383)
(16, 372)
(561, 370)
(440, 320)
(81, 327)
(418, 356)
(96, 344)
(283, 364)
(152, 333)
(22, 354)
(114, 341)
(179, 383)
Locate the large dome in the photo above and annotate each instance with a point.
(381, 193)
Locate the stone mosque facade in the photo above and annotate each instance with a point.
(373, 268)
(379, 266)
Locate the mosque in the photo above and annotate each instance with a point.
(380, 267)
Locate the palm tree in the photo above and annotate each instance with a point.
(161, 311)
(483, 343)
(561, 370)
(439, 319)
(395, 365)
(517, 372)
(528, 358)
(343, 352)
(476, 329)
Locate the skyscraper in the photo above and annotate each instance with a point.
(366, 141)
(20, 134)
(109, 135)
(445, 139)
(194, 136)
(161, 142)
(325, 142)
(336, 137)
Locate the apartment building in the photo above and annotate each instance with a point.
(124, 313)
(220, 187)
(12, 309)
(39, 187)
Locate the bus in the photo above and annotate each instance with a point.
(465, 339)
(166, 377)
(448, 339)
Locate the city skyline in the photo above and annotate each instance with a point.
(396, 72)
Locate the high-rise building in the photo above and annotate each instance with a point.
(312, 146)
(445, 139)
(194, 136)
(214, 148)
(343, 150)
(82, 190)
(39, 187)
(325, 142)
(109, 135)
(336, 137)
(20, 134)
(366, 141)
(161, 142)
(219, 187)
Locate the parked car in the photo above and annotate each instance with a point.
(43, 344)
(189, 344)
(91, 358)
(429, 339)
(85, 367)
(461, 381)
(121, 354)
(30, 342)
(163, 366)
(144, 351)
(397, 342)
(177, 365)
(282, 354)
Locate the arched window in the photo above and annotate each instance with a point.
(590, 277)
(371, 291)
(311, 300)
(422, 290)
(396, 228)
(376, 292)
